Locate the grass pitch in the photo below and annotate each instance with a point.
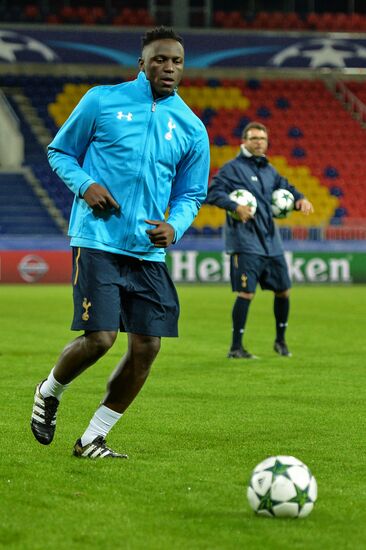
(199, 426)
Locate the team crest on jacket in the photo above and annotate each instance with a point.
(171, 127)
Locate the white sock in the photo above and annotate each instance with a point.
(102, 422)
(52, 388)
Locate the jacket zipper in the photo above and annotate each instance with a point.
(153, 109)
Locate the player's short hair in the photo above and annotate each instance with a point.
(256, 125)
(160, 33)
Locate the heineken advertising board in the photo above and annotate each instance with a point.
(187, 266)
(304, 267)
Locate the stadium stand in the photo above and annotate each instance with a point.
(306, 124)
(21, 210)
(123, 14)
(275, 20)
(57, 13)
(305, 118)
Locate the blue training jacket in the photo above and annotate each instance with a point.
(259, 235)
(150, 155)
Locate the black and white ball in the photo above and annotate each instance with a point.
(244, 197)
(282, 486)
(282, 203)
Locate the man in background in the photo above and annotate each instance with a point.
(253, 242)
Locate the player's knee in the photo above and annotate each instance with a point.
(100, 342)
(150, 347)
(145, 349)
(283, 293)
(246, 295)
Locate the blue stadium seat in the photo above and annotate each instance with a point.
(298, 152)
(331, 172)
(282, 103)
(264, 112)
(295, 132)
(21, 212)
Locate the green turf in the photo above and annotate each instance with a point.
(199, 426)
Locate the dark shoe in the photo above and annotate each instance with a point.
(95, 449)
(43, 421)
(240, 353)
(282, 349)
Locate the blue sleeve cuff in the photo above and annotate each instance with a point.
(84, 187)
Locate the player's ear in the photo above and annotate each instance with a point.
(141, 63)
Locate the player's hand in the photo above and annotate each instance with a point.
(244, 212)
(304, 206)
(99, 198)
(162, 235)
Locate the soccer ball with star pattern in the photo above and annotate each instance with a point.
(282, 486)
(282, 203)
(244, 197)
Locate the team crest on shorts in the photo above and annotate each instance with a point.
(86, 306)
(244, 280)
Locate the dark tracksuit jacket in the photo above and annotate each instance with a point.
(259, 235)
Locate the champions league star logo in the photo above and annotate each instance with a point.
(17, 47)
(322, 52)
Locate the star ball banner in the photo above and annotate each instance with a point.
(215, 48)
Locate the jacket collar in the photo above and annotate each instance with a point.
(259, 161)
(144, 84)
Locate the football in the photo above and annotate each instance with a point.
(282, 203)
(242, 196)
(282, 486)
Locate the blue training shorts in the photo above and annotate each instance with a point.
(115, 291)
(246, 270)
